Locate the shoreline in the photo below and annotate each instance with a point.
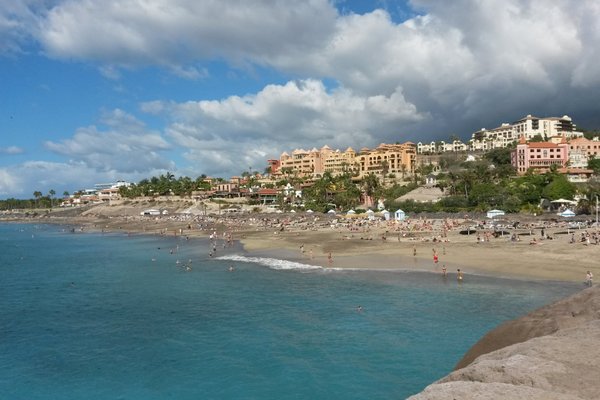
(371, 246)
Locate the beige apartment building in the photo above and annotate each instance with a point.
(385, 158)
(388, 159)
(591, 148)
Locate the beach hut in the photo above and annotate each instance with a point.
(385, 214)
(400, 215)
(151, 211)
(370, 214)
(495, 213)
(567, 213)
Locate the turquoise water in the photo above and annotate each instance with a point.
(92, 316)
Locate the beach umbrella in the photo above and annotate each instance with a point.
(350, 212)
(567, 213)
(331, 212)
(309, 211)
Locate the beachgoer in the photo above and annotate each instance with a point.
(444, 270)
(415, 250)
(459, 275)
(359, 308)
(589, 278)
(330, 258)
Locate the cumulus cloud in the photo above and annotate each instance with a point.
(220, 134)
(128, 32)
(125, 146)
(467, 61)
(463, 62)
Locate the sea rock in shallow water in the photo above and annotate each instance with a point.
(564, 364)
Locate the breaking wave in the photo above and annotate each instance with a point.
(272, 263)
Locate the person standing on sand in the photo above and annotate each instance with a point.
(330, 258)
(589, 278)
(415, 250)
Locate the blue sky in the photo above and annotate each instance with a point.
(100, 90)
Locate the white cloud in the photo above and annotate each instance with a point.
(9, 182)
(219, 135)
(191, 73)
(126, 146)
(18, 24)
(11, 150)
(127, 32)
(461, 61)
(22, 180)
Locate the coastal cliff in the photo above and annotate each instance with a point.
(551, 353)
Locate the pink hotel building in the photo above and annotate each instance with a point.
(539, 156)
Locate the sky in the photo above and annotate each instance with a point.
(94, 91)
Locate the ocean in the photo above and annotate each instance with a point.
(112, 316)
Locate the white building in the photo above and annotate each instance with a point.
(530, 127)
(527, 127)
(441, 147)
(423, 148)
(578, 158)
(499, 137)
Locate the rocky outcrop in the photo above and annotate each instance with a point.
(551, 353)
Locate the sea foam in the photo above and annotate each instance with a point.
(272, 263)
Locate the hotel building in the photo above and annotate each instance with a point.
(539, 156)
(385, 158)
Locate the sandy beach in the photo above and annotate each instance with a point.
(555, 259)
(564, 252)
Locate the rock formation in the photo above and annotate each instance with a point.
(551, 353)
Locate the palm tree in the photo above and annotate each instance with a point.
(51, 193)
(37, 194)
(370, 185)
(385, 167)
